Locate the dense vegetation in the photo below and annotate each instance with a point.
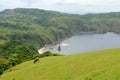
(97, 65)
(24, 31)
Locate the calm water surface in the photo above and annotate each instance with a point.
(88, 42)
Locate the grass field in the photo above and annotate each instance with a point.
(97, 65)
(2, 42)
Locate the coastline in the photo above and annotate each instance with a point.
(51, 47)
(41, 50)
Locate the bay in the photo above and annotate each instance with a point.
(87, 42)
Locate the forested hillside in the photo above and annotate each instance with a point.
(105, 22)
(24, 31)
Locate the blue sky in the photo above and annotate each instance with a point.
(70, 6)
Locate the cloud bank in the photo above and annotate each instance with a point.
(72, 6)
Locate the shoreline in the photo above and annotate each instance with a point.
(51, 47)
(41, 50)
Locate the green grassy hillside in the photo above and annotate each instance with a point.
(97, 65)
(23, 30)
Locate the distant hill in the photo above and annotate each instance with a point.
(97, 65)
(39, 27)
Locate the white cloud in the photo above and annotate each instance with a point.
(65, 5)
(9, 4)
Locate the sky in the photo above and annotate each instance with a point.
(68, 6)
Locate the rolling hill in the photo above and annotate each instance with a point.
(24, 30)
(97, 65)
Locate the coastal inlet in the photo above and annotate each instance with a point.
(85, 43)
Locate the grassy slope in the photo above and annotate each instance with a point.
(99, 65)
